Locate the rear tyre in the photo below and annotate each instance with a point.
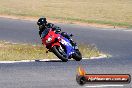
(77, 56)
(60, 54)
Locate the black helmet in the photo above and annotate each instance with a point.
(41, 21)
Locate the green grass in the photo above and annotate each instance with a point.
(89, 51)
(110, 12)
(9, 51)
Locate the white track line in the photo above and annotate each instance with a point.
(44, 60)
(105, 86)
(127, 30)
(37, 60)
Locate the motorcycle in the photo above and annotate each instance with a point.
(60, 46)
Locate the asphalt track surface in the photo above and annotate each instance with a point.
(56, 74)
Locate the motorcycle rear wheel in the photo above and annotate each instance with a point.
(59, 54)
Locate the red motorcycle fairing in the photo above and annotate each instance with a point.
(50, 39)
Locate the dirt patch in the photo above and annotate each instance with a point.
(2, 45)
(19, 17)
(60, 21)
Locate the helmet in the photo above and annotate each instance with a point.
(41, 21)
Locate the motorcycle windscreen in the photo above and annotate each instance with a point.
(69, 47)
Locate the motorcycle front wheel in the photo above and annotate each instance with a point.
(60, 53)
(77, 56)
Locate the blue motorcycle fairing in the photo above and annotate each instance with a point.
(69, 48)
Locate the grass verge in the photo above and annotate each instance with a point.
(16, 52)
(109, 12)
(88, 21)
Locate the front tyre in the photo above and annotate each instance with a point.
(77, 56)
(59, 53)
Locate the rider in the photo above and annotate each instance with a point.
(42, 23)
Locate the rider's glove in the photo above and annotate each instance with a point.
(56, 29)
(71, 35)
